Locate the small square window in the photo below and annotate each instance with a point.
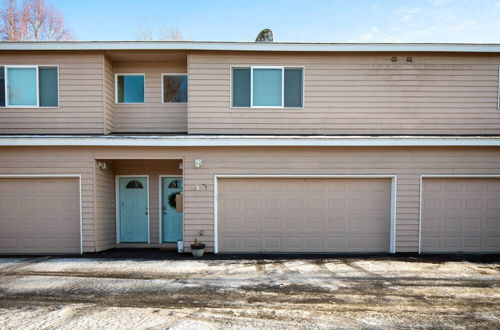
(129, 88)
(175, 88)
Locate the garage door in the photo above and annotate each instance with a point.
(461, 215)
(304, 215)
(39, 215)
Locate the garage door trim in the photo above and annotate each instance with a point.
(42, 176)
(443, 176)
(392, 243)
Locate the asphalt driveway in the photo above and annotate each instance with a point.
(377, 292)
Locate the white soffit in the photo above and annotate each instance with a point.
(251, 141)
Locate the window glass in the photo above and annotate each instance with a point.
(48, 86)
(22, 86)
(130, 89)
(241, 88)
(293, 87)
(175, 88)
(134, 184)
(267, 87)
(2, 86)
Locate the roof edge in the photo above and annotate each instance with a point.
(250, 46)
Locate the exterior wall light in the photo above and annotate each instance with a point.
(198, 163)
(102, 165)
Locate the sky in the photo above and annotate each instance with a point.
(290, 20)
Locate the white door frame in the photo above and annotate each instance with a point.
(46, 176)
(394, 178)
(442, 176)
(117, 204)
(160, 199)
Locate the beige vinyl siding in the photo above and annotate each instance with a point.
(408, 163)
(80, 95)
(353, 94)
(153, 116)
(109, 96)
(48, 160)
(104, 210)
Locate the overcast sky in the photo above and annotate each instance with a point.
(290, 20)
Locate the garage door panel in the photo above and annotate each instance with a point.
(304, 215)
(463, 215)
(39, 215)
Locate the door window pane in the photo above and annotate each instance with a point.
(241, 88)
(293, 88)
(22, 86)
(48, 86)
(130, 89)
(267, 87)
(175, 88)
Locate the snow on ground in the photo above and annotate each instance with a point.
(66, 293)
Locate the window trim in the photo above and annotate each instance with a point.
(252, 67)
(116, 87)
(162, 91)
(35, 66)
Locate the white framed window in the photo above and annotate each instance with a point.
(129, 88)
(267, 87)
(29, 86)
(174, 87)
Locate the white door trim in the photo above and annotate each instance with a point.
(392, 243)
(41, 176)
(442, 176)
(160, 200)
(117, 203)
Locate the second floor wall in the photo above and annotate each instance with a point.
(80, 94)
(342, 93)
(353, 93)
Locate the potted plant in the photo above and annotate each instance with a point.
(197, 248)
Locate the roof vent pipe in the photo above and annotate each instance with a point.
(265, 35)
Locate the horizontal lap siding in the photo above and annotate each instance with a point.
(80, 96)
(354, 94)
(408, 163)
(109, 93)
(153, 116)
(36, 161)
(104, 211)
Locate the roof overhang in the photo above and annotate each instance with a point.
(246, 141)
(251, 46)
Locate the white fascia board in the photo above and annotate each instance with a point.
(251, 46)
(250, 141)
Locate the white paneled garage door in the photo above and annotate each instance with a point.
(304, 215)
(39, 215)
(460, 215)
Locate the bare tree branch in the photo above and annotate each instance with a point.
(147, 32)
(36, 21)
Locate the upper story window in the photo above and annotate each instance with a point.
(129, 88)
(267, 87)
(29, 86)
(175, 88)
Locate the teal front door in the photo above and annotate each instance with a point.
(133, 199)
(171, 219)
